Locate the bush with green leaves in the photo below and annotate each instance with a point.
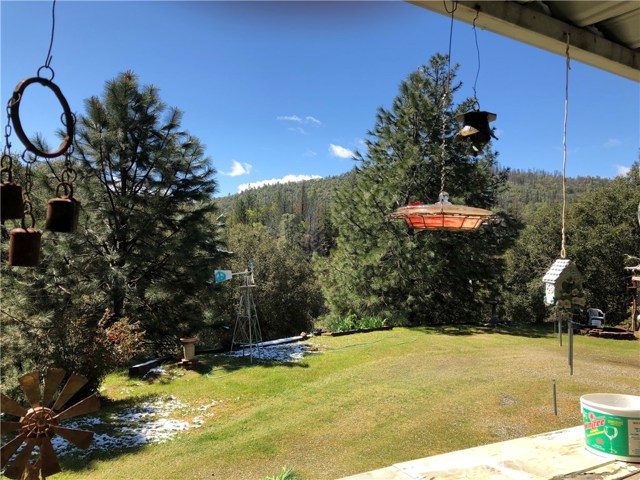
(352, 322)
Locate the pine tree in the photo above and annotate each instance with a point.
(151, 233)
(144, 250)
(381, 267)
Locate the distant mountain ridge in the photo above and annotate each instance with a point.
(527, 191)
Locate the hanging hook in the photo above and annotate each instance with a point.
(454, 6)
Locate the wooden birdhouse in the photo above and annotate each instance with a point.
(564, 285)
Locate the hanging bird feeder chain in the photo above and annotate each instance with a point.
(445, 100)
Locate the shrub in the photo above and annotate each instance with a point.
(352, 322)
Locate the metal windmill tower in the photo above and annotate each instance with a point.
(246, 332)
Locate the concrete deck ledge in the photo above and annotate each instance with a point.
(553, 455)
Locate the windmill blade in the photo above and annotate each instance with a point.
(48, 459)
(80, 438)
(10, 406)
(88, 405)
(19, 464)
(51, 384)
(7, 427)
(30, 384)
(32, 472)
(75, 383)
(10, 448)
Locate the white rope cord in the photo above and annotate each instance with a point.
(563, 249)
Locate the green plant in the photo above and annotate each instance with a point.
(286, 474)
(373, 322)
(352, 322)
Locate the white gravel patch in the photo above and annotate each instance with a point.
(287, 352)
(135, 426)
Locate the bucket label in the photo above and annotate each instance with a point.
(612, 434)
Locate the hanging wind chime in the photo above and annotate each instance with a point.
(62, 211)
(443, 215)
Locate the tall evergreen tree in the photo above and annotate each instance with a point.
(152, 217)
(144, 250)
(383, 267)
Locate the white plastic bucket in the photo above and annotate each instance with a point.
(612, 425)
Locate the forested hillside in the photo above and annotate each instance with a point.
(302, 210)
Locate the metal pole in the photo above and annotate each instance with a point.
(570, 334)
(560, 330)
(555, 403)
(248, 309)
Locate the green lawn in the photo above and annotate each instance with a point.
(367, 401)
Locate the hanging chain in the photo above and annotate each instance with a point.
(563, 249)
(445, 100)
(6, 165)
(29, 160)
(475, 83)
(68, 175)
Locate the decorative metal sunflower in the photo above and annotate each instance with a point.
(39, 424)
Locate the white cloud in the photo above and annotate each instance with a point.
(273, 181)
(290, 118)
(312, 120)
(622, 171)
(340, 152)
(310, 153)
(613, 142)
(299, 130)
(308, 120)
(238, 169)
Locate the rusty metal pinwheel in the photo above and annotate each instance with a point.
(40, 423)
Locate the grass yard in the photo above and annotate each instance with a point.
(364, 402)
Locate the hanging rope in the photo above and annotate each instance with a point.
(475, 83)
(563, 249)
(445, 97)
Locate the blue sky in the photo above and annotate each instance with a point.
(290, 89)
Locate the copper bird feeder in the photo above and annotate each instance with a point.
(442, 215)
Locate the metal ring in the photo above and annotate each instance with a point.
(53, 74)
(63, 120)
(68, 176)
(33, 220)
(17, 125)
(28, 161)
(68, 189)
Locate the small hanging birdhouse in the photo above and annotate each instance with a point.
(564, 285)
